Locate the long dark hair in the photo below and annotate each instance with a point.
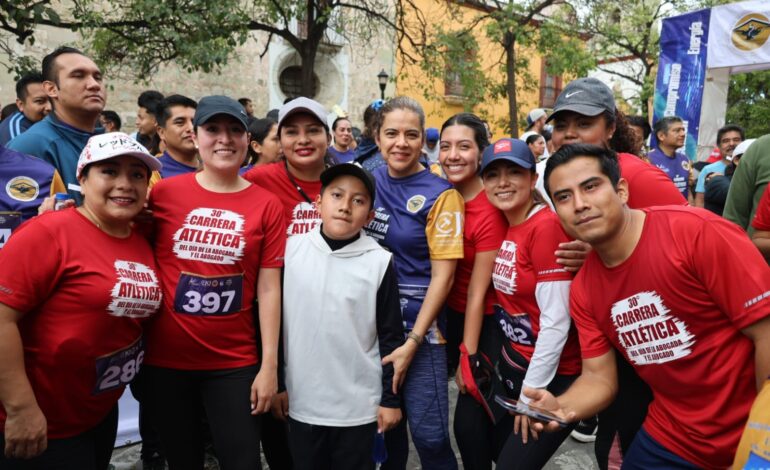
(624, 140)
(259, 130)
(473, 122)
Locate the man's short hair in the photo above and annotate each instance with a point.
(664, 124)
(112, 117)
(151, 101)
(164, 110)
(24, 82)
(50, 71)
(608, 161)
(244, 101)
(640, 121)
(730, 128)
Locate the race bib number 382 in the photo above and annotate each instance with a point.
(199, 295)
(119, 368)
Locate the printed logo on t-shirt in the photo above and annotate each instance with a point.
(449, 225)
(137, 293)
(211, 235)
(303, 219)
(415, 203)
(504, 276)
(22, 188)
(647, 330)
(378, 227)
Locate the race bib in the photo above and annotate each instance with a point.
(118, 369)
(517, 328)
(9, 221)
(198, 295)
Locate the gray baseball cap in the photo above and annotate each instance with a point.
(303, 105)
(210, 106)
(586, 96)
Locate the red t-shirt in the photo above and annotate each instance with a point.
(762, 217)
(648, 185)
(301, 215)
(84, 295)
(525, 259)
(484, 230)
(210, 247)
(673, 312)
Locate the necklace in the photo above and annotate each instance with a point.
(92, 217)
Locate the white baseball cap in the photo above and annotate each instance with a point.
(114, 144)
(741, 148)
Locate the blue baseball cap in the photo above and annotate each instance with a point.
(431, 134)
(512, 150)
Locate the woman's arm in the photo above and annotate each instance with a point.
(478, 286)
(25, 427)
(266, 383)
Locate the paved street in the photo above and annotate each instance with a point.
(572, 455)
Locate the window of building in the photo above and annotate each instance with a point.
(290, 82)
(453, 77)
(550, 87)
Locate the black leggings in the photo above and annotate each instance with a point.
(174, 398)
(484, 442)
(625, 415)
(476, 436)
(455, 327)
(90, 450)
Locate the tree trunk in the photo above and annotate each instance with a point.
(510, 69)
(308, 55)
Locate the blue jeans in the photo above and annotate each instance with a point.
(646, 453)
(425, 398)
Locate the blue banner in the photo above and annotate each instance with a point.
(682, 73)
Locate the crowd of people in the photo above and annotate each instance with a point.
(292, 284)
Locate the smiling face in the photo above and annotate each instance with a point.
(35, 105)
(345, 206)
(343, 133)
(459, 153)
(222, 143)
(509, 187)
(573, 128)
(728, 142)
(78, 87)
(400, 140)
(304, 141)
(115, 190)
(145, 122)
(589, 207)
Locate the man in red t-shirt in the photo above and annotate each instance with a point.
(653, 288)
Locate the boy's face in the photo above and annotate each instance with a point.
(345, 206)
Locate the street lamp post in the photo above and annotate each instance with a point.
(382, 77)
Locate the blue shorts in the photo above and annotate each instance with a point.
(646, 453)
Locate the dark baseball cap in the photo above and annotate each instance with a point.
(586, 96)
(350, 169)
(210, 106)
(512, 150)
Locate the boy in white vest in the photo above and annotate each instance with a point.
(341, 316)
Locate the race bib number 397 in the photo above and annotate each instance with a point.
(198, 295)
(118, 369)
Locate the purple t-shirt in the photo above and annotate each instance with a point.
(677, 167)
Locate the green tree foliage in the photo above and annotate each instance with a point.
(748, 102)
(517, 30)
(137, 36)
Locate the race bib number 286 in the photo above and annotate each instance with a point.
(118, 369)
(198, 295)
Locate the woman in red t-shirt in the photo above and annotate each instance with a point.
(219, 242)
(471, 327)
(75, 288)
(305, 139)
(540, 349)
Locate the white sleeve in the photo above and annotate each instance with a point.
(553, 300)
